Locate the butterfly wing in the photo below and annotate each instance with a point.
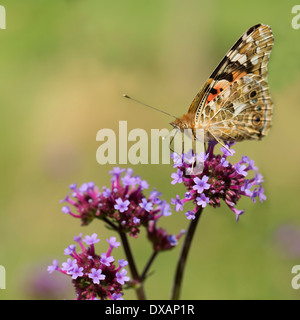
(242, 111)
(247, 57)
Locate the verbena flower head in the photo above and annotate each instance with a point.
(123, 204)
(94, 276)
(218, 180)
(160, 239)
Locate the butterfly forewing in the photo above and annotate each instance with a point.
(234, 104)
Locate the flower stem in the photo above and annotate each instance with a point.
(112, 225)
(144, 274)
(183, 256)
(137, 279)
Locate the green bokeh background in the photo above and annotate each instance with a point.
(64, 66)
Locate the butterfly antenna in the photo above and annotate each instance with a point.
(146, 105)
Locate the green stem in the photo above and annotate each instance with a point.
(175, 295)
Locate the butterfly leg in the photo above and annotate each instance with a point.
(219, 141)
(172, 139)
(170, 144)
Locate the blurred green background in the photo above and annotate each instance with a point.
(64, 66)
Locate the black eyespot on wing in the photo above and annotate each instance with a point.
(256, 119)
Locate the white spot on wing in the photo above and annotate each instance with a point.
(246, 79)
(249, 39)
(242, 58)
(245, 90)
(226, 93)
(254, 60)
(238, 109)
(229, 53)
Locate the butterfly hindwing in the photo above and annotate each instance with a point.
(242, 111)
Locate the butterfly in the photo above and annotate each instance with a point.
(235, 104)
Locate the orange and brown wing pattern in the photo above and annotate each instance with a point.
(242, 111)
(226, 105)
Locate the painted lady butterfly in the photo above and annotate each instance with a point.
(234, 104)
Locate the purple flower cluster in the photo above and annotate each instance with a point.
(124, 204)
(94, 276)
(218, 180)
(160, 239)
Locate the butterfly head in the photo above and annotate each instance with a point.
(177, 124)
(187, 121)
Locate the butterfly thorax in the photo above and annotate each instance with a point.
(185, 122)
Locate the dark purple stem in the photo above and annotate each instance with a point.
(144, 274)
(136, 278)
(175, 295)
